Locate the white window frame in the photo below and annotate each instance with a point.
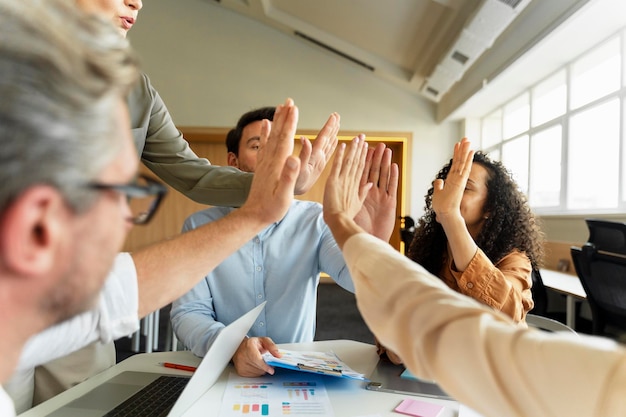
(564, 121)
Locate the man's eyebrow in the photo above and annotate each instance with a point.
(253, 138)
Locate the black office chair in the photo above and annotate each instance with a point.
(540, 295)
(407, 229)
(601, 266)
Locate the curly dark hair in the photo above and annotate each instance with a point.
(511, 224)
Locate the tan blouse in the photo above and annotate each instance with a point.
(504, 286)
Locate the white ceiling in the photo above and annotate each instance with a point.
(594, 22)
(409, 42)
(403, 41)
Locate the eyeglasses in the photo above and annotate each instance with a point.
(144, 196)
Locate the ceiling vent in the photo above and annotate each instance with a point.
(480, 32)
(333, 50)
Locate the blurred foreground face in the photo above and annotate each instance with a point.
(104, 7)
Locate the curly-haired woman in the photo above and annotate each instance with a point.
(478, 234)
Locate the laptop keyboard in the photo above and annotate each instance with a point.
(154, 400)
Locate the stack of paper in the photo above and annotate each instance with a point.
(326, 363)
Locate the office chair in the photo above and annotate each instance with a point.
(547, 324)
(601, 266)
(540, 294)
(407, 229)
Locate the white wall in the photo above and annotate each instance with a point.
(210, 65)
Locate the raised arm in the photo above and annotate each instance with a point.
(168, 269)
(457, 341)
(447, 197)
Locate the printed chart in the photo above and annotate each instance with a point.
(278, 395)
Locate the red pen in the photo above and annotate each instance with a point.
(179, 366)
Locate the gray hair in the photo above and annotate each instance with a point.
(62, 74)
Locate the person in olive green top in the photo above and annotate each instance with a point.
(163, 149)
(166, 153)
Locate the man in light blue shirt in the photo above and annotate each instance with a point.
(281, 265)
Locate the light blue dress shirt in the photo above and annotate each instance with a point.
(281, 265)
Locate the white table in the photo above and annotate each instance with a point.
(349, 398)
(566, 284)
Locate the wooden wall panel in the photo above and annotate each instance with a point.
(209, 143)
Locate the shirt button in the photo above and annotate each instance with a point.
(257, 240)
(470, 285)
(259, 296)
(261, 324)
(258, 268)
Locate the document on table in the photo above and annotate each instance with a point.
(326, 363)
(293, 394)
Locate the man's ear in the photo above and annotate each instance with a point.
(233, 161)
(30, 229)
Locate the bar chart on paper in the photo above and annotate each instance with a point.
(275, 396)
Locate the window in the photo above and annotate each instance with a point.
(515, 158)
(545, 168)
(491, 131)
(592, 181)
(549, 99)
(516, 116)
(596, 74)
(562, 139)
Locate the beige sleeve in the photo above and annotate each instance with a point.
(476, 354)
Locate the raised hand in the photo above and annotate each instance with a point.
(344, 192)
(272, 189)
(313, 158)
(378, 214)
(447, 195)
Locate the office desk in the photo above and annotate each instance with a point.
(349, 398)
(565, 284)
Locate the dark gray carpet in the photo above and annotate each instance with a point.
(338, 316)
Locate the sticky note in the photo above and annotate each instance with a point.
(418, 408)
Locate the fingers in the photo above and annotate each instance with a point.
(374, 173)
(367, 167)
(379, 169)
(268, 345)
(288, 177)
(394, 178)
(337, 162)
(331, 144)
(307, 149)
(326, 140)
(280, 139)
(462, 158)
(248, 358)
(356, 156)
(438, 185)
(266, 127)
(356, 161)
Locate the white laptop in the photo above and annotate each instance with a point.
(126, 386)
